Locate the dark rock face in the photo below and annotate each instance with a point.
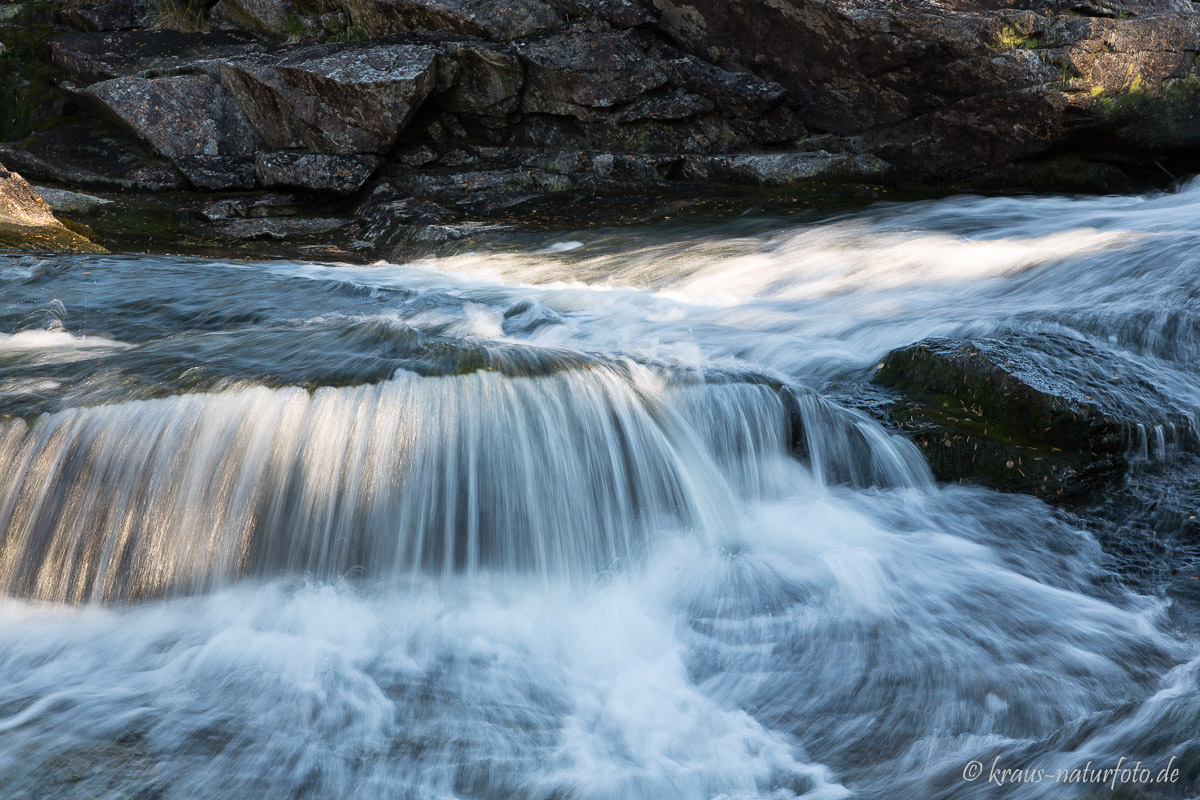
(484, 80)
(143, 53)
(482, 105)
(585, 67)
(218, 173)
(508, 20)
(115, 15)
(984, 411)
(953, 87)
(77, 155)
(269, 17)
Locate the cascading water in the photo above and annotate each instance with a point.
(590, 521)
(562, 476)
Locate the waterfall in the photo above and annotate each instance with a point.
(560, 476)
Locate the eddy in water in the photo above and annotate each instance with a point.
(596, 517)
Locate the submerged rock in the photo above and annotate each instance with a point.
(986, 411)
(27, 223)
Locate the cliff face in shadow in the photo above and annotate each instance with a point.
(396, 122)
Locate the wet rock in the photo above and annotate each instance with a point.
(78, 155)
(335, 174)
(339, 99)
(184, 115)
(27, 223)
(381, 215)
(585, 67)
(994, 412)
(115, 15)
(62, 201)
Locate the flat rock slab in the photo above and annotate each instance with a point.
(78, 155)
(314, 172)
(115, 15)
(90, 57)
(780, 169)
(281, 229)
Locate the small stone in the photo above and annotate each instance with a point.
(64, 202)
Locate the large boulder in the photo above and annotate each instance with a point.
(27, 223)
(182, 115)
(334, 98)
(189, 119)
(1050, 415)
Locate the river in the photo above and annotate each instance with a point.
(526, 522)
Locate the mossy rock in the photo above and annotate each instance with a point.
(983, 414)
(1069, 173)
(44, 238)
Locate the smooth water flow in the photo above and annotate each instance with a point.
(595, 516)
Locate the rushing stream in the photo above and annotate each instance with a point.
(589, 516)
